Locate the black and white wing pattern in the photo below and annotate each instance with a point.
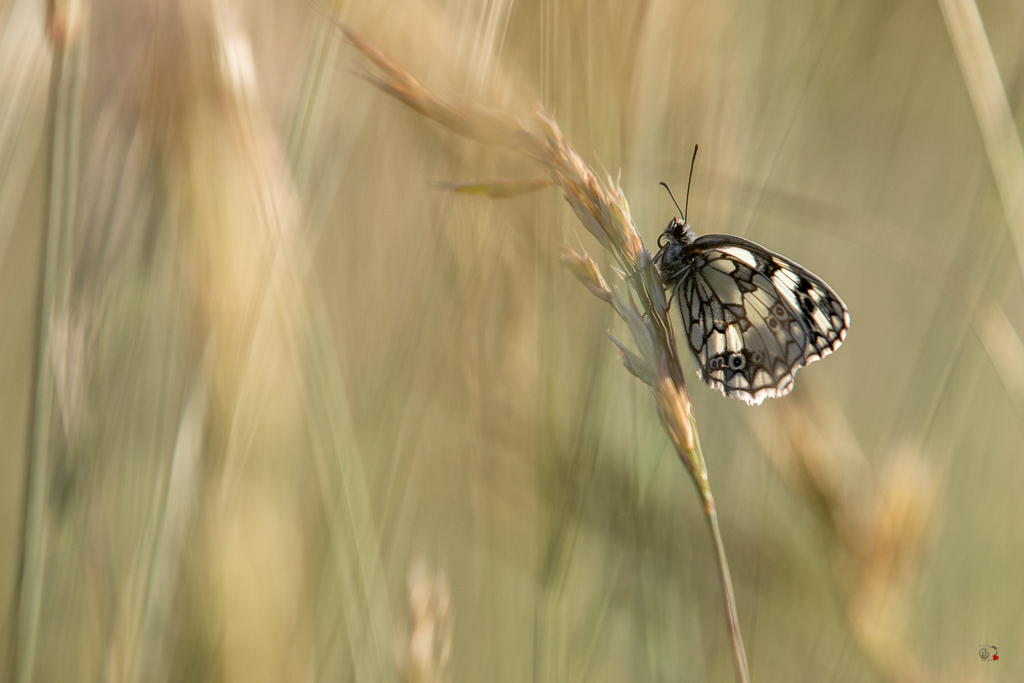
(751, 317)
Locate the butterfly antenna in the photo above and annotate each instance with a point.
(682, 211)
(689, 180)
(673, 199)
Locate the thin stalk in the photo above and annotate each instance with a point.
(63, 108)
(738, 653)
(693, 460)
(992, 110)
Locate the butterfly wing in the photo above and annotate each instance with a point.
(754, 318)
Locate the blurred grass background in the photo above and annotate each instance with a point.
(276, 407)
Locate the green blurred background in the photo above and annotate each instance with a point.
(276, 407)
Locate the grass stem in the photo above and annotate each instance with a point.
(601, 207)
(63, 115)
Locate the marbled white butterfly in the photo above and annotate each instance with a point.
(751, 318)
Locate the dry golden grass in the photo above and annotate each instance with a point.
(638, 299)
(280, 405)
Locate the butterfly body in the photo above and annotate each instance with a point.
(751, 317)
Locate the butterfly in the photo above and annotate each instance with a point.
(751, 317)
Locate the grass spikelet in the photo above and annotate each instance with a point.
(497, 189)
(586, 270)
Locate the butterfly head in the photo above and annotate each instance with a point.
(677, 232)
(674, 254)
